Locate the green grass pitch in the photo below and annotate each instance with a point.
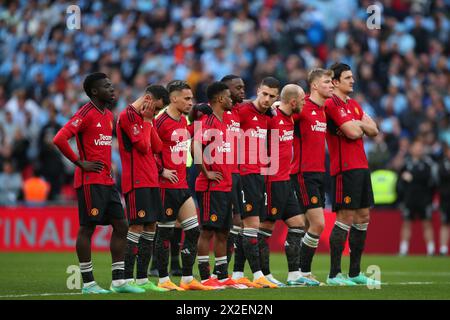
(43, 276)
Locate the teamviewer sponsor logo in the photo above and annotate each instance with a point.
(287, 135)
(103, 140)
(319, 126)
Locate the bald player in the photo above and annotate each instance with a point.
(282, 202)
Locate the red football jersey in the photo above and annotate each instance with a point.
(312, 129)
(217, 154)
(281, 154)
(175, 138)
(253, 141)
(93, 130)
(231, 118)
(138, 164)
(295, 163)
(345, 154)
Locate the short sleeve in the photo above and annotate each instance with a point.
(337, 113)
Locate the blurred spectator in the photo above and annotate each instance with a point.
(10, 184)
(444, 195)
(50, 160)
(415, 189)
(401, 69)
(35, 189)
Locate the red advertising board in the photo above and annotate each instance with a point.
(55, 229)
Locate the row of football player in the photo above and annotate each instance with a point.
(295, 194)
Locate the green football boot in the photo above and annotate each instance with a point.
(306, 281)
(362, 279)
(126, 288)
(94, 289)
(150, 286)
(340, 280)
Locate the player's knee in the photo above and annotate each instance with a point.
(206, 234)
(317, 228)
(222, 235)
(362, 217)
(150, 227)
(120, 227)
(86, 231)
(136, 228)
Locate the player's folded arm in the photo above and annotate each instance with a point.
(352, 130)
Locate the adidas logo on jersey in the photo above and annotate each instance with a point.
(99, 125)
(255, 118)
(281, 122)
(174, 133)
(313, 113)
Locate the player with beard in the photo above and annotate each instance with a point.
(351, 185)
(174, 132)
(282, 202)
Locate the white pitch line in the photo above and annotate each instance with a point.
(41, 295)
(288, 287)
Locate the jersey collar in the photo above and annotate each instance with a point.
(98, 109)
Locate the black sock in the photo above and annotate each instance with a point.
(189, 250)
(154, 265)
(131, 252)
(264, 251)
(145, 248)
(203, 267)
(356, 240)
(232, 236)
(309, 245)
(175, 249)
(300, 241)
(221, 267)
(251, 250)
(239, 255)
(292, 248)
(87, 272)
(162, 250)
(338, 237)
(117, 270)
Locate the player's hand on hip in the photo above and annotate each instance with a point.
(90, 166)
(214, 175)
(170, 175)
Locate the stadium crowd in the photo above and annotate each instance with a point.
(402, 69)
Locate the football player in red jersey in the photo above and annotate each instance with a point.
(175, 135)
(138, 140)
(351, 188)
(237, 90)
(311, 177)
(253, 167)
(213, 155)
(98, 199)
(282, 202)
